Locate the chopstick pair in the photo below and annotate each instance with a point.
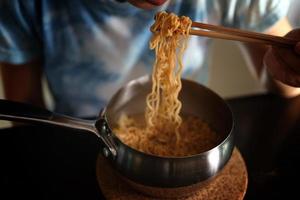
(213, 31)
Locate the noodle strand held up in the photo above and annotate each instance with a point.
(170, 36)
(161, 131)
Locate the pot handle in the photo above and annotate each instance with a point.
(15, 111)
(21, 112)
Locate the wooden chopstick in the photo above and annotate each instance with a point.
(226, 36)
(213, 31)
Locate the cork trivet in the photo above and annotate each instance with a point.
(231, 183)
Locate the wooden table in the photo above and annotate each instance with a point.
(39, 162)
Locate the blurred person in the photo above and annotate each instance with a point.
(88, 49)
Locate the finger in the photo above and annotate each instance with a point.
(297, 48)
(289, 57)
(280, 71)
(295, 34)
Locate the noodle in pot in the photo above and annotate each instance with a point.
(163, 131)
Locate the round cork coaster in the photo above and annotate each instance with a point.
(231, 183)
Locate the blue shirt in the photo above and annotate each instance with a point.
(91, 48)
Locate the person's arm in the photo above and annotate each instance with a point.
(256, 54)
(23, 82)
(21, 52)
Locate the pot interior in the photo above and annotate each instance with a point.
(196, 100)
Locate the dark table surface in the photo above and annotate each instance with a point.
(40, 162)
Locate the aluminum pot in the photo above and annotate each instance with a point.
(136, 166)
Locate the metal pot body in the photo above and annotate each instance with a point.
(171, 172)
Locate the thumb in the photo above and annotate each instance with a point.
(297, 48)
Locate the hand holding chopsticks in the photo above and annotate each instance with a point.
(282, 59)
(213, 31)
(284, 63)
